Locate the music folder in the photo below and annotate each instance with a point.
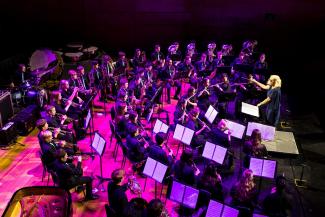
(216, 209)
(160, 127)
(262, 167)
(267, 132)
(155, 169)
(98, 144)
(183, 134)
(214, 152)
(87, 120)
(184, 194)
(237, 130)
(250, 109)
(211, 114)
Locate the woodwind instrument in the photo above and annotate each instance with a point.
(169, 150)
(73, 104)
(196, 169)
(204, 124)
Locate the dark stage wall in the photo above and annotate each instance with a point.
(290, 31)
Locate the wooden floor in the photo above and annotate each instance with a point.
(20, 166)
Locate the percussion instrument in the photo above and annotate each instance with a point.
(90, 51)
(73, 57)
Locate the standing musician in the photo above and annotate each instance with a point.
(75, 81)
(199, 127)
(166, 75)
(273, 99)
(95, 76)
(85, 84)
(20, 76)
(203, 95)
(157, 55)
(108, 83)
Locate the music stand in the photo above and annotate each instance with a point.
(183, 194)
(250, 109)
(160, 127)
(237, 130)
(267, 132)
(214, 152)
(211, 114)
(155, 170)
(184, 135)
(216, 209)
(99, 145)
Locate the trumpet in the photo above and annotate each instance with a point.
(61, 131)
(204, 124)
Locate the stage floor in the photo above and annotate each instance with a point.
(20, 166)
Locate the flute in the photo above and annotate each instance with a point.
(203, 123)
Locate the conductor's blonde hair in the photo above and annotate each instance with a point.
(276, 79)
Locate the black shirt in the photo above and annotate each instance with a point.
(117, 197)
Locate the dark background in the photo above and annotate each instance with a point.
(291, 32)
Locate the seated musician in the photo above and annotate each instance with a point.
(189, 99)
(184, 169)
(71, 176)
(147, 74)
(260, 64)
(60, 107)
(157, 153)
(254, 147)
(166, 75)
(136, 145)
(203, 95)
(199, 127)
(218, 61)
(225, 92)
(48, 147)
(180, 114)
(69, 94)
(211, 181)
(20, 76)
(135, 122)
(76, 82)
(116, 189)
(120, 120)
(52, 118)
(240, 60)
(122, 64)
(186, 69)
(202, 65)
(138, 59)
(123, 90)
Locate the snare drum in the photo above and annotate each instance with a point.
(16, 95)
(37, 96)
(90, 51)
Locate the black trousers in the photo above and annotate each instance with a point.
(81, 181)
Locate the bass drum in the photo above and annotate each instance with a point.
(36, 96)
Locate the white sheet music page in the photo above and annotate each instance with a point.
(177, 192)
(269, 167)
(267, 132)
(101, 145)
(159, 172)
(187, 136)
(256, 165)
(219, 154)
(95, 142)
(237, 130)
(190, 197)
(208, 113)
(214, 209)
(208, 150)
(156, 128)
(213, 116)
(229, 212)
(164, 128)
(249, 109)
(179, 130)
(149, 167)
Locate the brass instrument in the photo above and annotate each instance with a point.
(134, 186)
(73, 104)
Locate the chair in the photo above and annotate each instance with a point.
(125, 151)
(117, 144)
(113, 113)
(109, 211)
(113, 131)
(45, 169)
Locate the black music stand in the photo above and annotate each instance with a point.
(99, 145)
(224, 69)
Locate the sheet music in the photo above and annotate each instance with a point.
(101, 145)
(267, 132)
(179, 130)
(164, 128)
(219, 154)
(213, 116)
(149, 167)
(237, 130)
(156, 128)
(208, 150)
(214, 209)
(190, 197)
(187, 136)
(95, 142)
(249, 109)
(159, 172)
(87, 119)
(177, 192)
(256, 165)
(229, 212)
(208, 113)
(269, 167)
